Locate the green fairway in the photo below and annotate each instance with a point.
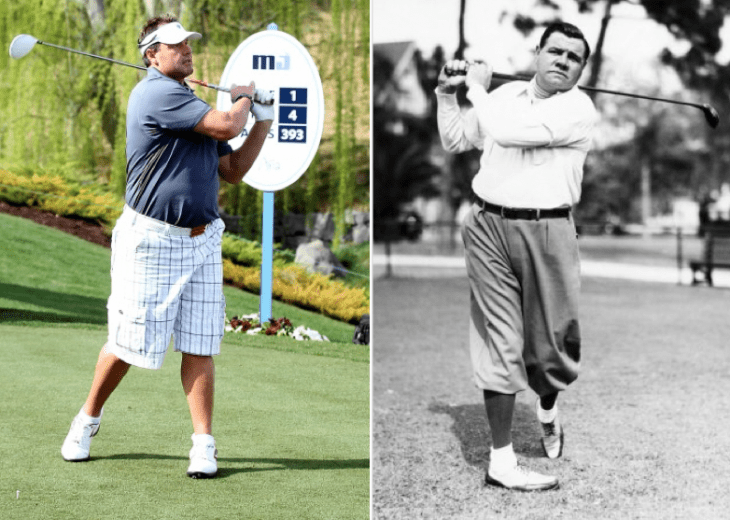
(291, 418)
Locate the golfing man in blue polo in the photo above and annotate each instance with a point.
(520, 240)
(166, 247)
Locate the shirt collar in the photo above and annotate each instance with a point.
(154, 73)
(528, 89)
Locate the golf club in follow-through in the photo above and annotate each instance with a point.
(24, 43)
(711, 115)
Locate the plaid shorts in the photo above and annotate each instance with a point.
(164, 284)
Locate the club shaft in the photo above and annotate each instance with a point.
(91, 55)
(118, 62)
(209, 85)
(510, 77)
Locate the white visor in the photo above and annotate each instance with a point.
(170, 33)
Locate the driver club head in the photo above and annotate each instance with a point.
(22, 45)
(711, 115)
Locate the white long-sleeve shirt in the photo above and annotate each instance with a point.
(533, 149)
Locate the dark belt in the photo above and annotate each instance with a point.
(198, 230)
(523, 213)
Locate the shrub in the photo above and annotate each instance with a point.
(356, 259)
(248, 253)
(53, 193)
(294, 285)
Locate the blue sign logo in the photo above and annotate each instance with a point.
(268, 62)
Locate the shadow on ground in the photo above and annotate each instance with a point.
(70, 308)
(229, 466)
(472, 431)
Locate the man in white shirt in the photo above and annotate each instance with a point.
(520, 239)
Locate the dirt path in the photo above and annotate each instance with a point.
(81, 228)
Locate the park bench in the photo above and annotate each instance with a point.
(715, 254)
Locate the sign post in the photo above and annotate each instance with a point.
(276, 61)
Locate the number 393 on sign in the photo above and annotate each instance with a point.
(292, 134)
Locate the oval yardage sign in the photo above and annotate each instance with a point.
(277, 61)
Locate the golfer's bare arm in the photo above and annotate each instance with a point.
(222, 125)
(234, 166)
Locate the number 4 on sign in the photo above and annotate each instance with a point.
(293, 115)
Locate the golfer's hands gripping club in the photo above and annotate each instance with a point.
(236, 91)
(452, 76)
(263, 97)
(263, 109)
(479, 73)
(461, 72)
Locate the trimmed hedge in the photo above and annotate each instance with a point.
(248, 253)
(313, 291)
(53, 193)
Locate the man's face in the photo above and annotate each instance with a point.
(559, 63)
(174, 60)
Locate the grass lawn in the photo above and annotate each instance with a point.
(646, 422)
(291, 418)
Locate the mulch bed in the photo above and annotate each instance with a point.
(81, 228)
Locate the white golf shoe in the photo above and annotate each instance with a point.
(552, 436)
(203, 457)
(521, 479)
(78, 441)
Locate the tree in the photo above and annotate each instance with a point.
(66, 113)
(684, 166)
(402, 166)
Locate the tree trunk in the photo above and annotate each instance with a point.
(646, 194)
(598, 51)
(95, 10)
(459, 55)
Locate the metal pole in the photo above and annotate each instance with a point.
(267, 257)
(267, 247)
(680, 259)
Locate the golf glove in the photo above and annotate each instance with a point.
(263, 112)
(264, 97)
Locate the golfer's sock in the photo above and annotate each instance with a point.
(502, 459)
(203, 438)
(87, 418)
(547, 416)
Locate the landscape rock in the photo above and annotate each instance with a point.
(317, 257)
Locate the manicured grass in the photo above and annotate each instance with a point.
(291, 429)
(646, 422)
(291, 418)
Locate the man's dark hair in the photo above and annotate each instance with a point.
(569, 30)
(150, 26)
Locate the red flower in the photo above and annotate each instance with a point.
(245, 325)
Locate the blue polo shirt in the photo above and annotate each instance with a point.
(172, 171)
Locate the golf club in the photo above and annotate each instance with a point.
(711, 115)
(24, 43)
